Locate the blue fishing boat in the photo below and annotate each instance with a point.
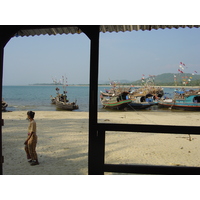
(142, 102)
(182, 100)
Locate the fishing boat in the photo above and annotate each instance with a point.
(53, 99)
(4, 105)
(118, 102)
(64, 104)
(184, 100)
(115, 91)
(61, 101)
(146, 91)
(142, 102)
(141, 98)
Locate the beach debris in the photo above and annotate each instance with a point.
(106, 120)
(187, 138)
(175, 164)
(190, 139)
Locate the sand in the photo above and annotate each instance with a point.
(63, 141)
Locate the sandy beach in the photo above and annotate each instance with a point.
(63, 141)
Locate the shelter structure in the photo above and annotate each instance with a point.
(96, 148)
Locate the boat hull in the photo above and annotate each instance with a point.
(141, 105)
(66, 106)
(181, 106)
(4, 105)
(116, 104)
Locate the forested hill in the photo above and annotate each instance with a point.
(168, 79)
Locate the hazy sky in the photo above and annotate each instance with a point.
(123, 55)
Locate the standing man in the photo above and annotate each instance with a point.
(31, 141)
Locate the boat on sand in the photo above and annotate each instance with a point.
(118, 102)
(184, 100)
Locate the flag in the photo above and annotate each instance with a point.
(180, 71)
(195, 71)
(181, 67)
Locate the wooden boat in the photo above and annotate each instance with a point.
(53, 99)
(114, 91)
(182, 100)
(115, 102)
(156, 92)
(4, 105)
(142, 102)
(65, 105)
(141, 98)
(61, 101)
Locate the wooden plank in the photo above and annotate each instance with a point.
(95, 164)
(2, 43)
(152, 169)
(2, 122)
(195, 130)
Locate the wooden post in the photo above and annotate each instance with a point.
(94, 155)
(96, 140)
(1, 75)
(6, 33)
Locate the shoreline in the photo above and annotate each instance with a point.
(63, 141)
(104, 85)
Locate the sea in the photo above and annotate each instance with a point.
(38, 98)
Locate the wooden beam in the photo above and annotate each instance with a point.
(152, 169)
(7, 32)
(93, 154)
(195, 130)
(96, 141)
(1, 74)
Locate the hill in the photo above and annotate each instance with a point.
(169, 79)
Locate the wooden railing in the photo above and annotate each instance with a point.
(143, 169)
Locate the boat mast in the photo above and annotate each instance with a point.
(64, 80)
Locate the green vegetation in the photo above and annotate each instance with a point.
(167, 79)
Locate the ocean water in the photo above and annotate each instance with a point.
(37, 98)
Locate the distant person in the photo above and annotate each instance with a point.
(31, 141)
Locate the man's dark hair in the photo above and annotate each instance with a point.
(31, 114)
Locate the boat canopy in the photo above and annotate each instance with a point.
(180, 92)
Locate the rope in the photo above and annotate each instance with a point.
(140, 114)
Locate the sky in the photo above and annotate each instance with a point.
(122, 56)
